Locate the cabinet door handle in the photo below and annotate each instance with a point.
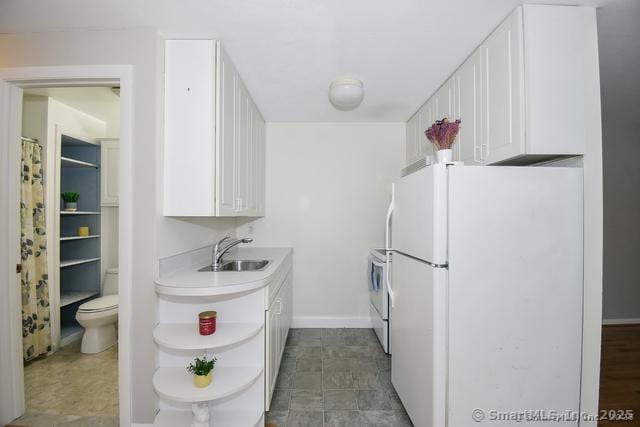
(279, 311)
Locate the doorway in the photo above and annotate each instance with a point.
(27, 382)
(70, 344)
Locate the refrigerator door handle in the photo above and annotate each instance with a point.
(392, 295)
(388, 254)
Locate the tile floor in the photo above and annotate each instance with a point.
(335, 378)
(71, 389)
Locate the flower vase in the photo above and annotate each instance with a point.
(445, 156)
(201, 381)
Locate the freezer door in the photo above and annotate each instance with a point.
(418, 339)
(419, 219)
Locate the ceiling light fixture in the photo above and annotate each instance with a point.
(346, 93)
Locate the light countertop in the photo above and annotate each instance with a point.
(188, 281)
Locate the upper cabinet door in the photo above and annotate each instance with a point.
(110, 172)
(468, 97)
(243, 162)
(211, 134)
(189, 123)
(427, 114)
(444, 101)
(410, 138)
(503, 92)
(227, 153)
(444, 106)
(257, 163)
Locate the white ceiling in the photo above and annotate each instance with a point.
(99, 102)
(288, 51)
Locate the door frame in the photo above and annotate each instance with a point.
(12, 81)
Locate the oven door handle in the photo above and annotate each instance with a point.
(376, 262)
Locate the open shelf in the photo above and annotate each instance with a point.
(63, 213)
(185, 336)
(220, 418)
(176, 384)
(67, 162)
(65, 239)
(77, 261)
(69, 297)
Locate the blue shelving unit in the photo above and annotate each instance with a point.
(79, 256)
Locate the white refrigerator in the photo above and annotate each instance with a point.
(485, 283)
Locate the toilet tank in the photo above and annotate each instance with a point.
(110, 282)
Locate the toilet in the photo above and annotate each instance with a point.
(99, 317)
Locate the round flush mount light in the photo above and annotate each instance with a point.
(346, 93)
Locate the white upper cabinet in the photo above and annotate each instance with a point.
(525, 94)
(412, 153)
(427, 117)
(213, 158)
(110, 172)
(504, 91)
(467, 101)
(227, 101)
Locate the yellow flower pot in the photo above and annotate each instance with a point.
(201, 381)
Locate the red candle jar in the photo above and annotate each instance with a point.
(207, 322)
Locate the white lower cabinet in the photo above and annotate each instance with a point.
(278, 323)
(525, 95)
(235, 397)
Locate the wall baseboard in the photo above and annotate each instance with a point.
(330, 322)
(621, 322)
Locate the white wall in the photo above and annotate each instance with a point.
(328, 188)
(153, 235)
(619, 33)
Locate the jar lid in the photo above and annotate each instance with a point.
(208, 314)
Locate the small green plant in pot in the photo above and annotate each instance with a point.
(202, 370)
(70, 199)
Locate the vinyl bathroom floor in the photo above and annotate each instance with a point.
(72, 389)
(335, 377)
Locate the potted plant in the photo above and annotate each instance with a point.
(70, 201)
(202, 371)
(443, 134)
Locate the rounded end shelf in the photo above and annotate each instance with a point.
(176, 384)
(222, 418)
(185, 336)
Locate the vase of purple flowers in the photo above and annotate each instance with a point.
(443, 134)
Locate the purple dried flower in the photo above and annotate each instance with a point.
(443, 133)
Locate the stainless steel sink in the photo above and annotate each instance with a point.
(239, 265)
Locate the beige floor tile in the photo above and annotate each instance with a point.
(69, 383)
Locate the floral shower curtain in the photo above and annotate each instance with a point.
(36, 327)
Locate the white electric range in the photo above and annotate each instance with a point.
(379, 296)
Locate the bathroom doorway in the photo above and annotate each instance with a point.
(69, 264)
(13, 82)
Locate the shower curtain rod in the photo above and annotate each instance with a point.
(24, 138)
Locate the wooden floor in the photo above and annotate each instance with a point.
(620, 372)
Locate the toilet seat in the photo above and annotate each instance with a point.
(104, 303)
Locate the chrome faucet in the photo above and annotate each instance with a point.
(222, 247)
